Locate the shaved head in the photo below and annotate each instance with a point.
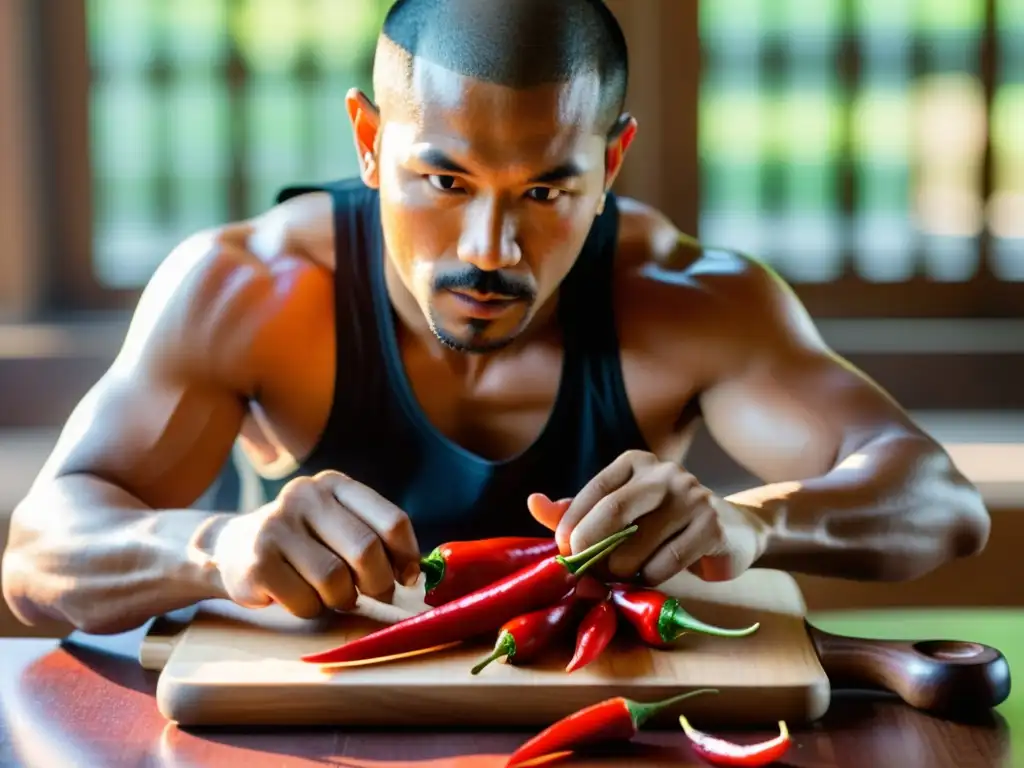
(519, 44)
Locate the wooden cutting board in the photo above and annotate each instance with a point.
(231, 666)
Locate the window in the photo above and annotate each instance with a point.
(872, 151)
(202, 109)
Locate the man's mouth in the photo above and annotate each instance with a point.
(483, 305)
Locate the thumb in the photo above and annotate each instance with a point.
(547, 512)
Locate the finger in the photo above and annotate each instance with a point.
(653, 530)
(609, 479)
(358, 545)
(323, 570)
(390, 523)
(642, 494)
(284, 585)
(545, 511)
(701, 536)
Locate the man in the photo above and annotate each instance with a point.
(440, 349)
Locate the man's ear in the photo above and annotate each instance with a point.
(621, 137)
(365, 117)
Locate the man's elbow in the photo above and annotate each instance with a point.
(972, 524)
(952, 522)
(15, 584)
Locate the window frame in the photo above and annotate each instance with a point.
(62, 77)
(20, 276)
(46, 273)
(663, 169)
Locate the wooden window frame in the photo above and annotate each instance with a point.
(663, 167)
(48, 287)
(63, 78)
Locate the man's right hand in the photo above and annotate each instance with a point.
(322, 542)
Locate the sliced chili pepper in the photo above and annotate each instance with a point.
(660, 620)
(721, 752)
(596, 631)
(460, 567)
(480, 611)
(615, 718)
(523, 638)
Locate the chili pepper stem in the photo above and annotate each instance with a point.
(641, 712)
(674, 621)
(582, 560)
(432, 567)
(505, 646)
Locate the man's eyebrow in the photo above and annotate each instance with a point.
(438, 159)
(567, 170)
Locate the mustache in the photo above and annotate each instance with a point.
(474, 279)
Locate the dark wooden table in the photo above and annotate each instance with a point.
(85, 702)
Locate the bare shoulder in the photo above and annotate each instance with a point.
(704, 298)
(225, 294)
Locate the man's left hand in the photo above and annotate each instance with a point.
(681, 524)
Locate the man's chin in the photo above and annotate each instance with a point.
(472, 344)
(475, 336)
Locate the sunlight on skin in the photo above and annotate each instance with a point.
(855, 461)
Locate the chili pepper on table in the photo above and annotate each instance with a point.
(615, 718)
(595, 632)
(660, 620)
(457, 568)
(480, 611)
(721, 752)
(523, 638)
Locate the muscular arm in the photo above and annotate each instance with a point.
(103, 540)
(855, 490)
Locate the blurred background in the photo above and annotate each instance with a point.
(872, 151)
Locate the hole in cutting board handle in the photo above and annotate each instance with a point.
(950, 650)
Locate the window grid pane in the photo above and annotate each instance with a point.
(861, 128)
(1005, 208)
(203, 109)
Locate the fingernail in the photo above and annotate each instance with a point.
(411, 574)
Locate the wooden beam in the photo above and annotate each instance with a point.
(662, 168)
(20, 252)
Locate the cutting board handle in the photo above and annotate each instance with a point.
(945, 677)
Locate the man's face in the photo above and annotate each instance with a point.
(487, 195)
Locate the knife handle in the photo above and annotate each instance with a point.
(944, 677)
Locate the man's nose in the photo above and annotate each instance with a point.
(489, 236)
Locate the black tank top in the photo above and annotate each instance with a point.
(377, 434)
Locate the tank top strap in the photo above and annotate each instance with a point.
(586, 294)
(357, 241)
(587, 313)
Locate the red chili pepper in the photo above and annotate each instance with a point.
(660, 620)
(595, 633)
(720, 752)
(523, 638)
(459, 567)
(481, 611)
(615, 718)
(591, 590)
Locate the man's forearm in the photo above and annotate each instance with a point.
(85, 553)
(894, 510)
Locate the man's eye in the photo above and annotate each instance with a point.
(544, 194)
(444, 183)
